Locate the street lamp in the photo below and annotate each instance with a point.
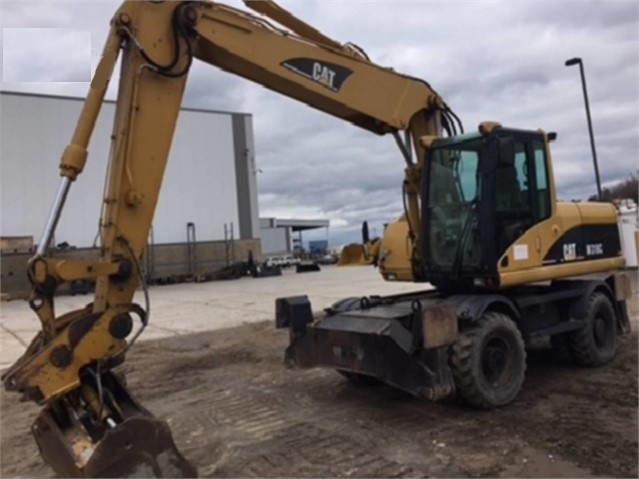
(578, 61)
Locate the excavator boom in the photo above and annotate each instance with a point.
(91, 425)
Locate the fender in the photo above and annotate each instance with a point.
(472, 307)
(579, 307)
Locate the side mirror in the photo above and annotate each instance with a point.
(506, 158)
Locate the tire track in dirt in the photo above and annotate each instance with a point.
(268, 442)
(306, 449)
(236, 411)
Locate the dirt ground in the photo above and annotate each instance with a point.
(236, 411)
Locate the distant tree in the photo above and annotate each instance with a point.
(628, 188)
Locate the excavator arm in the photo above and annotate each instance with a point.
(90, 425)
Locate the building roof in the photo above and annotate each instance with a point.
(298, 224)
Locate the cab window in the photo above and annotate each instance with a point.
(512, 183)
(541, 178)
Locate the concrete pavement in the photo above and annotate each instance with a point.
(193, 307)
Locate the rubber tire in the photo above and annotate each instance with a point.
(466, 363)
(584, 348)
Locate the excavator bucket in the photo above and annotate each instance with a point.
(138, 446)
(356, 254)
(360, 254)
(353, 254)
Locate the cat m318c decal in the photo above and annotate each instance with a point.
(328, 74)
(584, 243)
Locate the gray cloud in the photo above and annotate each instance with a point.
(500, 61)
(582, 14)
(33, 55)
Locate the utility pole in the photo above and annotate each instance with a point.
(578, 61)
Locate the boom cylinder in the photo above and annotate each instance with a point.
(54, 215)
(75, 154)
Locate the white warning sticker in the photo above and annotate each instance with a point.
(521, 252)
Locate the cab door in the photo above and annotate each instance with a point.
(522, 197)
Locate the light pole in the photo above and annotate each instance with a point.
(578, 61)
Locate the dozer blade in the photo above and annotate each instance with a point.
(128, 442)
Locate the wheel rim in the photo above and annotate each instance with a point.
(497, 361)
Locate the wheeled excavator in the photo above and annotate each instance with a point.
(481, 224)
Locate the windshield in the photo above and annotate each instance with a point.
(452, 201)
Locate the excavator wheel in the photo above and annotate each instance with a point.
(596, 343)
(489, 361)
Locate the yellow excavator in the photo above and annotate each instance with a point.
(481, 224)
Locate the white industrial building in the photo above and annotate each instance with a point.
(280, 236)
(210, 179)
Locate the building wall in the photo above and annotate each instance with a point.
(252, 173)
(203, 182)
(246, 176)
(199, 182)
(275, 239)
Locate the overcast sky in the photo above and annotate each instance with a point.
(499, 61)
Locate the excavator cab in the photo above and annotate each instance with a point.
(481, 192)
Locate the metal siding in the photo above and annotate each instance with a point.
(273, 240)
(266, 222)
(246, 171)
(35, 132)
(199, 184)
(252, 175)
(241, 177)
